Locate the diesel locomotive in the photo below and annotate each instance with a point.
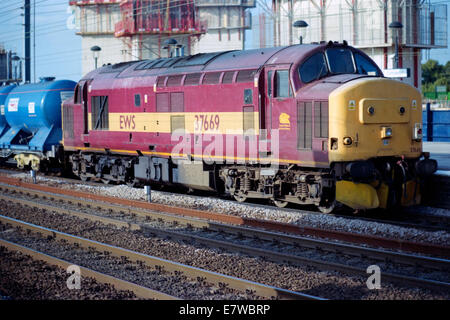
(305, 124)
(313, 124)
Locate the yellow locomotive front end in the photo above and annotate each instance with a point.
(375, 131)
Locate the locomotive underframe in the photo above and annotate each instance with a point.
(281, 185)
(289, 184)
(108, 168)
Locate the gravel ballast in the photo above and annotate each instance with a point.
(308, 280)
(23, 278)
(155, 278)
(297, 217)
(361, 262)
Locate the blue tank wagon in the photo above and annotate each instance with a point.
(4, 91)
(33, 113)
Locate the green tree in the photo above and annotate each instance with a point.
(427, 87)
(435, 74)
(431, 70)
(442, 81)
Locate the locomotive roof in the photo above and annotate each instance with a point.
(225, 60)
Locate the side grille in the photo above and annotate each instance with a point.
(304, 125)
(321, 119)
(68, 122)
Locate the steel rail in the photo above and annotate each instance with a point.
(118, 284)
(300, 261)
(376, 241)
(435, 223)
(170, 266)
(157, 215)
(311, 243)
(378, 254)
(434, 263)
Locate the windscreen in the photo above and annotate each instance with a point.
(340, 60)
(365, 66)
(313, 68)
(336, 61)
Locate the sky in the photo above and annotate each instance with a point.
(441, 55)
(58, 48)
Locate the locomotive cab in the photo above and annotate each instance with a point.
(359, 135)
(379, 148)
(374, 129)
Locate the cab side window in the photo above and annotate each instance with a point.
(282, 88)
(269, 83)
(78, 97)
(315, 67)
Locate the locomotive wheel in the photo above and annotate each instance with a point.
(280, 203)
(328, 208)
(240, 197)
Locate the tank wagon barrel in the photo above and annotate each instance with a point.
(4, 91)
(32, 113)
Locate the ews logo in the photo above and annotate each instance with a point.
(127, 122)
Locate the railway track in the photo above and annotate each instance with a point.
(117, 283)
(405, 217)
(28, 276)
(376, 241)
(253, 242)
(241, 285)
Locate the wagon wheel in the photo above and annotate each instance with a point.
(280, 203)
(327, 208)
(240, 197)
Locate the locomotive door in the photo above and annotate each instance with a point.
(85, 107)
(83, 101)
(279, 98)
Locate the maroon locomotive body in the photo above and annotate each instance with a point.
(254, 124)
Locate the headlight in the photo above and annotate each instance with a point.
(348, 141)
(386, 132)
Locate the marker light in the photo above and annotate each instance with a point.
(417, 133)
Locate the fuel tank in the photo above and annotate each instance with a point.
(33, 113)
